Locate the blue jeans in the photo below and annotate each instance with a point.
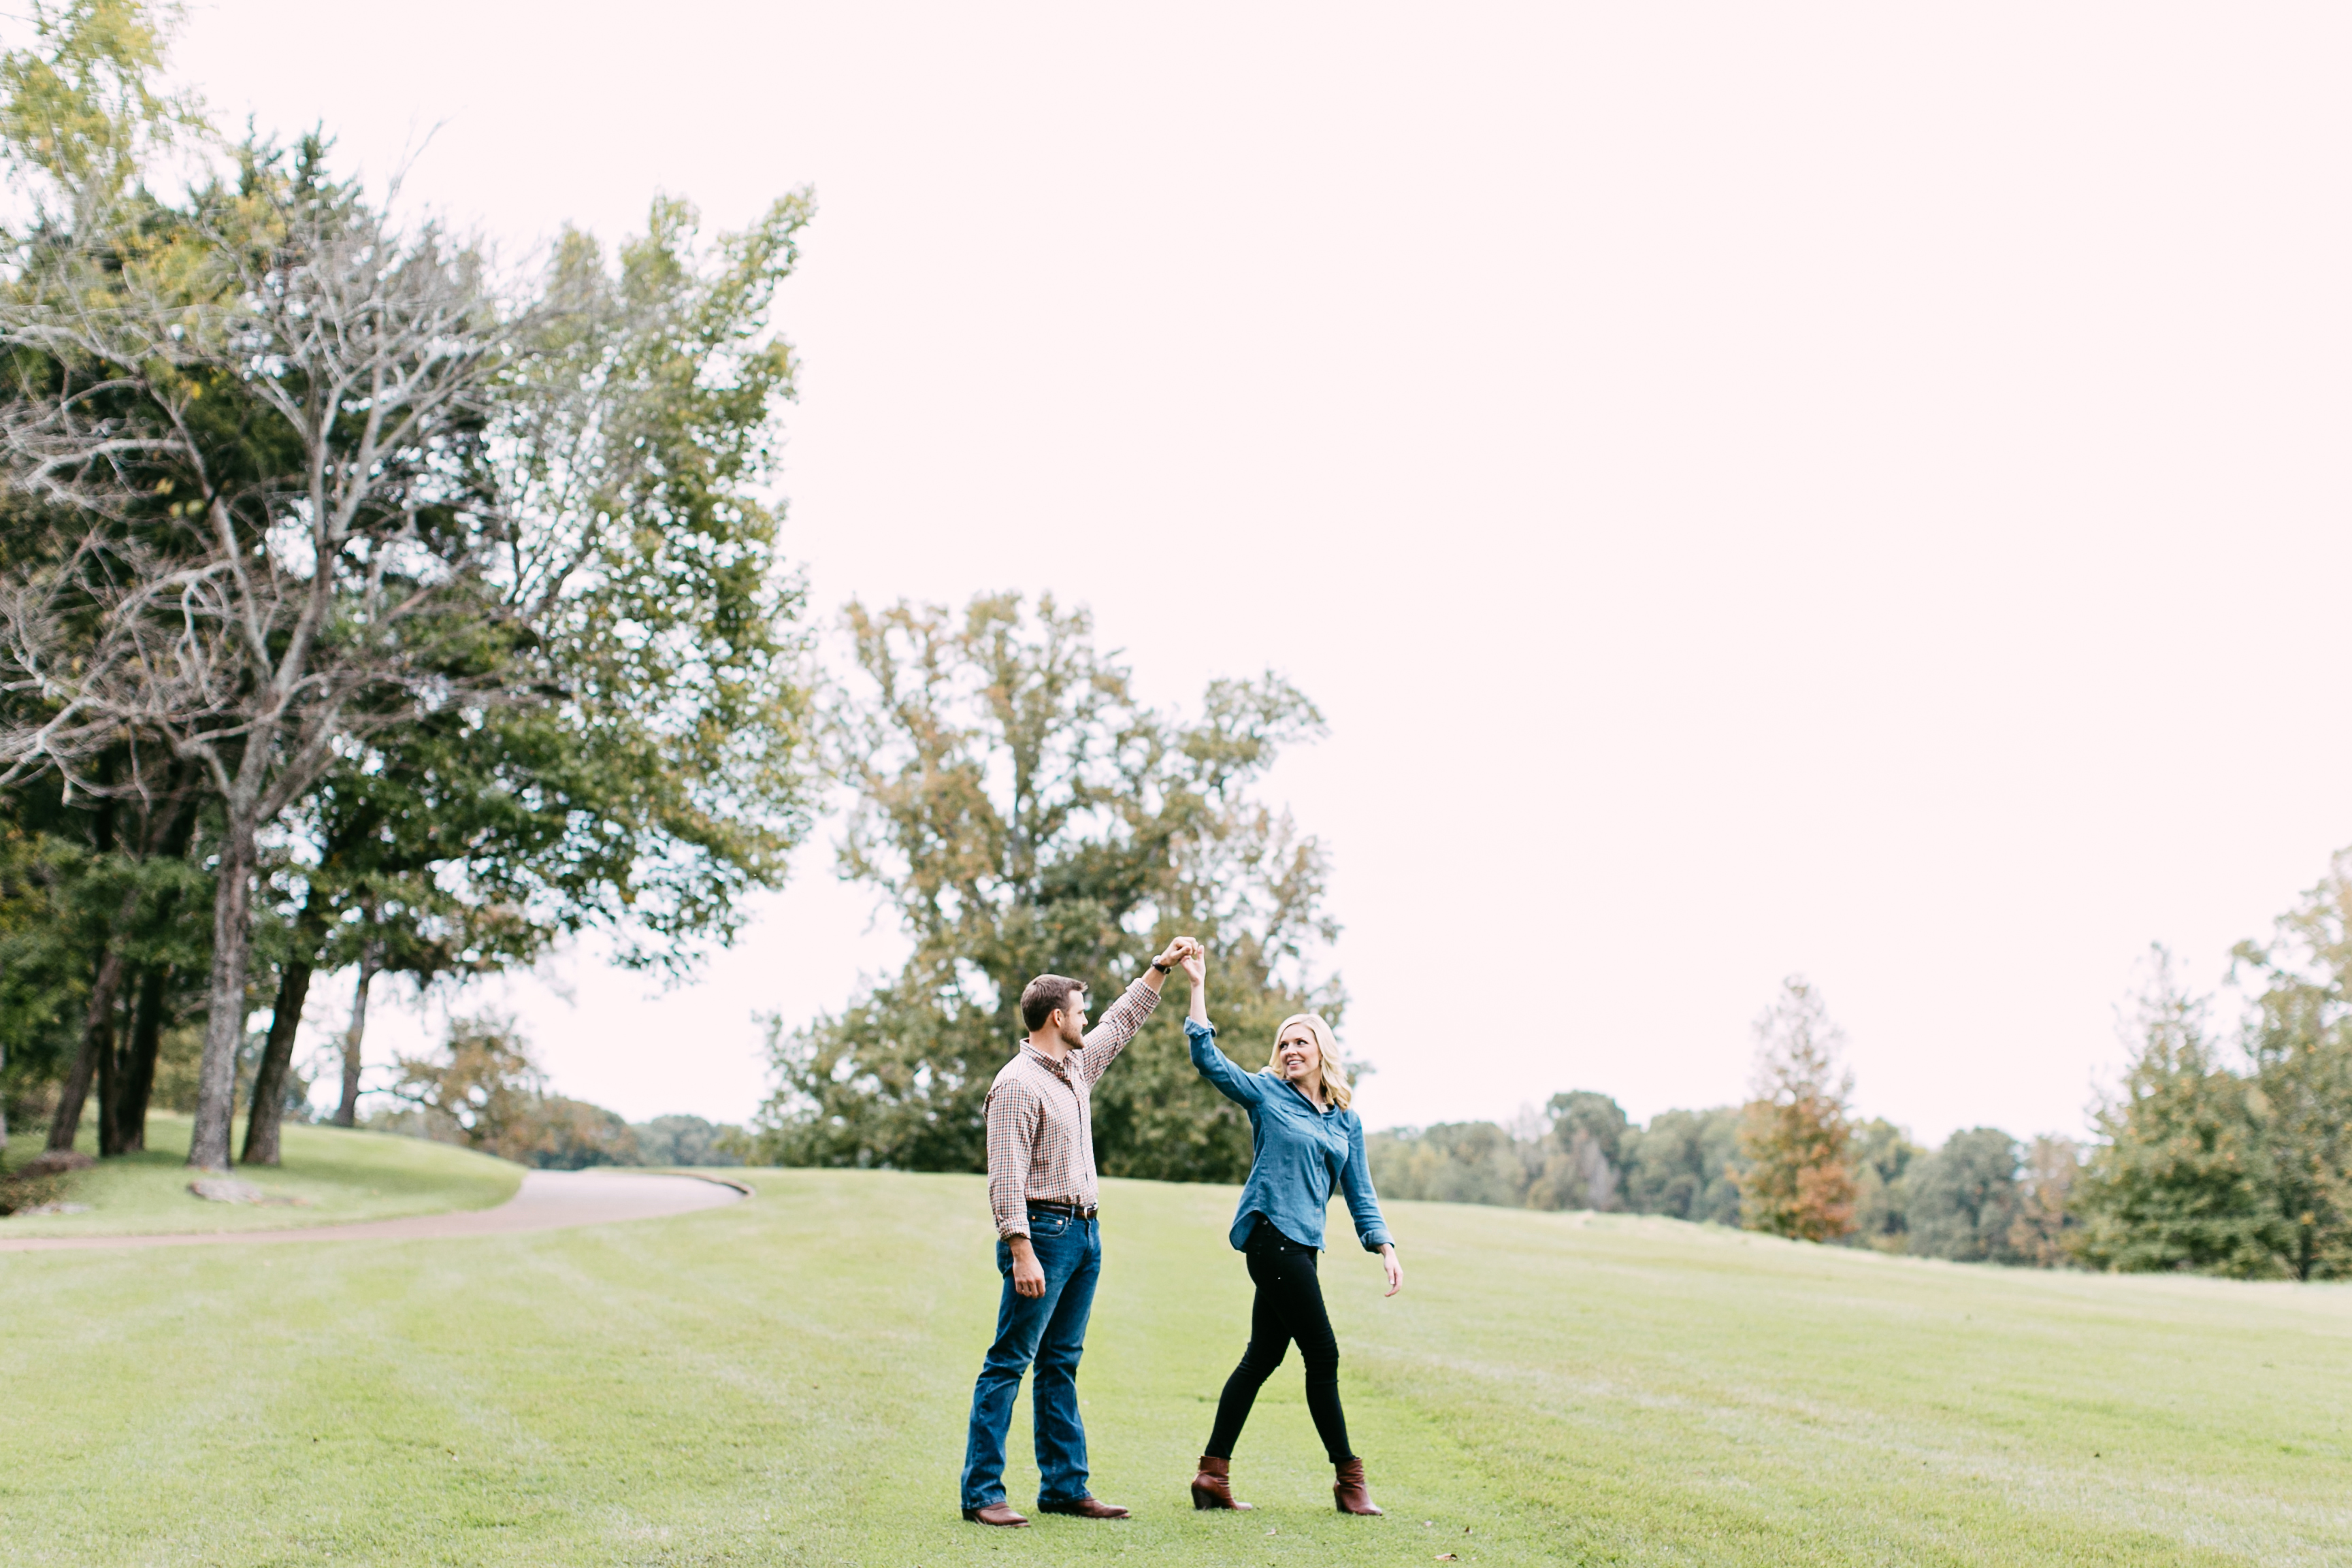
(1051, 1331)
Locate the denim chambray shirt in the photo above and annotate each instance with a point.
(1298, 1153)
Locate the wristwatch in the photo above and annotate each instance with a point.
(1164, 969)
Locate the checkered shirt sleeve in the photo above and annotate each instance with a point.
(1108, 1037)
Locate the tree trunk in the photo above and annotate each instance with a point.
(224, 1005)
(110, 1070)
(135, 1083)
(97, 1033)
(347, 1113)
(269, 1105)
(124, 1111)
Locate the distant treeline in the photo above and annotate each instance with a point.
(1983, 1197)
(483, 1089)
(2221, 1158)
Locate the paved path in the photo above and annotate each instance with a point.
(547, 1200)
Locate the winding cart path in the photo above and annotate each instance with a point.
(547, 1200)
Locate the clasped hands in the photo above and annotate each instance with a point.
(1185, 952)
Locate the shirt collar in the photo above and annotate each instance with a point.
(1058, 1068)
(1276, 1075)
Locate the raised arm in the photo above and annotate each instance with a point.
(1246, 1089)
(1126, 1016)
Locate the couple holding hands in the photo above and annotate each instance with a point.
(1041, 1190)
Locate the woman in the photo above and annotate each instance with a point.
(1304, 1139)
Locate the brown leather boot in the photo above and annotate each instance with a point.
(1213, 1486)
(1348, 1489)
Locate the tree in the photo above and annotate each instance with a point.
(305, 476)
(1450, 1163)
(1795, 1133)
(2300, 1043)
(1881, 1153)
(1687, 1164)
(486, 1091)
(253, 579)
(1581, 1158)
(97, 937)
(1963, 1201)
(1022, 813)
(2182, 1179)
(2043, 1233)
(685, 1141)
(655, 777)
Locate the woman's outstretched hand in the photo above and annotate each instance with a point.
(1396, 1270)
(1196, 965)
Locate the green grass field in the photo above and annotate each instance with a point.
(785, 1381)
(335, 1176)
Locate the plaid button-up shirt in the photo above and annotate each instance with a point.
(1041, 1125)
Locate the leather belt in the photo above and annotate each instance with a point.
(1072, 1210)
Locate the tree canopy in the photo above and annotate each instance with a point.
(1021, 813)
(451, 590)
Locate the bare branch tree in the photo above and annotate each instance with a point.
(254, 437)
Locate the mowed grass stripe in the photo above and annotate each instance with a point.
(785, 1380)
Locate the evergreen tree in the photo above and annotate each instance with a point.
(2184, 1179)
(2300, 1041)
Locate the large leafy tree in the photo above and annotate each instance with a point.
(1796, 1133)
(1021, 813)
(304, 476)
(653, 774)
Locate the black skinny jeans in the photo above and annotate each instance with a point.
(1290, 1307)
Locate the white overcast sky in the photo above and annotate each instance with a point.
(1851, 490)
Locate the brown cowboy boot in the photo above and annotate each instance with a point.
(1213, 1486)
(1085, 1508)
(1349, 1492)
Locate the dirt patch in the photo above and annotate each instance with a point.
(37, 1186)
(23, 1194)
(55, 1163)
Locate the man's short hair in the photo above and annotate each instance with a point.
(1045, 994)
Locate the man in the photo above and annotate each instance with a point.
(1041, 1190)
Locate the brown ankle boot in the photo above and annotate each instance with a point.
(1213, 1486)
(1348, 1489)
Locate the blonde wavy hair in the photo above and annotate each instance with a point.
(1335, 1077)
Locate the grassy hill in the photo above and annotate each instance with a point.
(328, 1175)
(785, 1381)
